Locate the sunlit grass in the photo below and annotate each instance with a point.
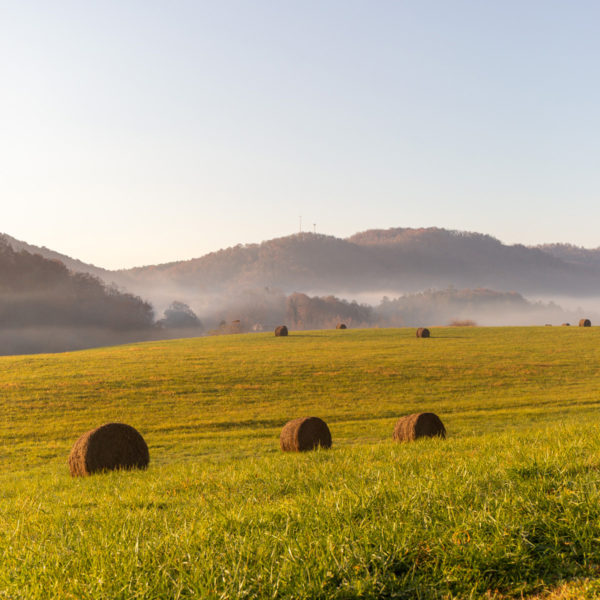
(509, 504)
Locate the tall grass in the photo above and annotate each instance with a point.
(507, 506)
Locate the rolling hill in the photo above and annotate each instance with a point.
(507, 506)
(390, 260)
(44, 306)
(73, 264)
(394, 259)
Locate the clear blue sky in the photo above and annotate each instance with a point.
(135, 132)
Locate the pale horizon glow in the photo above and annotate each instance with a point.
(139, 133)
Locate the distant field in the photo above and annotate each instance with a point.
(507, 507)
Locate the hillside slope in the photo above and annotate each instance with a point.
(75, 265)
(507, 506)
(46, 307)
(573, 254)
(394, 259)
(389, 260)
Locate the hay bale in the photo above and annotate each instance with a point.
(566, 325)
(585, 323)
(418, 425)
(305, 434)
(281, 330)
(462, 323)
(108, 447)
(341, 326)
(235, 326)
(423, 332)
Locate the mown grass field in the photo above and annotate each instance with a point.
(508, 506)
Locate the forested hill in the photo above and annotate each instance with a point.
(39, 292)
(573, 254)
(392, 259)
(397, 259)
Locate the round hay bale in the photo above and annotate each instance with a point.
(566, 325)
(341, 326)
(423, 332)
(585, 323)
(418, 425)
(304, 434)
(106, 448)
(235, 327)
(281, 330)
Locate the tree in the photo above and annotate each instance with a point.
(180, 316)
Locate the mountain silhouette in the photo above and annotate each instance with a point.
(396, 259)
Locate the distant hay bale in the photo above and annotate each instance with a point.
(566, 325)
(235, 326)
(463, 323)
(304, 434)
(418, 425)
(422, 332)
(281, 330)
(548, 325)
(585, 323)
(106, 448)
(341, 326)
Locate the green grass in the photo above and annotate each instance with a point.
(508, 505)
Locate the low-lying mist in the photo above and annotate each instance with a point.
(47, 339)
(180, 315)
(315, 282)
(263, 309)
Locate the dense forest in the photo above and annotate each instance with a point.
(389, 261)
(46, 307)
(38, 291)
(72, 264)
(263, 311)
(575, 255)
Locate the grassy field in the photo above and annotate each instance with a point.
(508, 506)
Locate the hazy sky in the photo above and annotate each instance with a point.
(135, 132)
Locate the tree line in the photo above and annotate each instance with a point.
(35, 291)
(46, 307)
